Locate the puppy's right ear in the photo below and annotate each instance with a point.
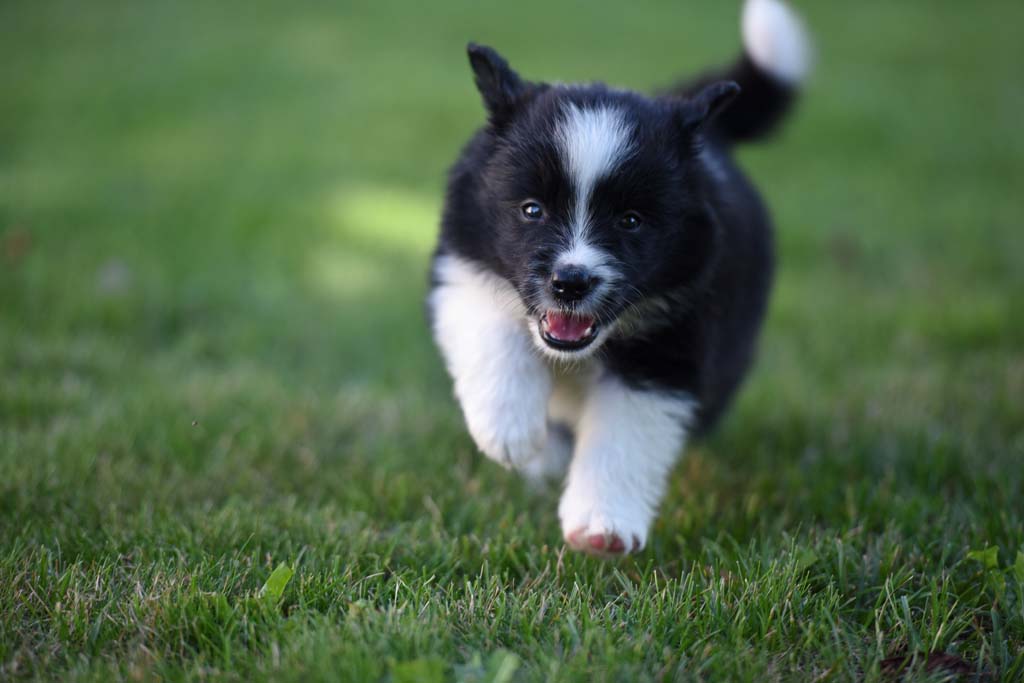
(500, 86)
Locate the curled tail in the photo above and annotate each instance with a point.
(775, 61)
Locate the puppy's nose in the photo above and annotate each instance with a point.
(571, 283)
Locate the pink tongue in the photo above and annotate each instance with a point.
(568, 327)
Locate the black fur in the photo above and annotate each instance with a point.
(700, 266)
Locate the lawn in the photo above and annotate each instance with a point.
(215, 220)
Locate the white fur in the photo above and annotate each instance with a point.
(775, 38)
(592, 142)
(627, 441)
(500, 382)
(553, 461)
(594, 259)
(569, 392)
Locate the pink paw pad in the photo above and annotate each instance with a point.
(607, 544)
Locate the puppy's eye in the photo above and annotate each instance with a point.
(631, 221)
(532, 211)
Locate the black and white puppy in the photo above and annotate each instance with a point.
(603, 270)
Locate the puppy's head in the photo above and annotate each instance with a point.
(594, 201)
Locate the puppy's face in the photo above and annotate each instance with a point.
(594, 201)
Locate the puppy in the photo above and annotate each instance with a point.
(603, 270)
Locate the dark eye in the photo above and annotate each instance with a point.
(631, 221)
(532, 211)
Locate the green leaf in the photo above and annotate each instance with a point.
(989, 557)
(273, 589)
(423, 670)
(805, 559)
(1018, 566)
(502, 666)
(994, 579)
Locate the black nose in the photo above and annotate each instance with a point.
(571, 283)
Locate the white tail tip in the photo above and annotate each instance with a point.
(776, 40)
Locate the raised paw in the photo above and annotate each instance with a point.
(511, 445)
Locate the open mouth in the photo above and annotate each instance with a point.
(567, 331)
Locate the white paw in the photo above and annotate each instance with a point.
(603, 526)
(552, 462)
(511, 443)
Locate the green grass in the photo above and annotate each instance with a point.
(214, 225)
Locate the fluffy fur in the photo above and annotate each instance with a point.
(603, 270)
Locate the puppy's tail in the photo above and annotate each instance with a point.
(777, 58)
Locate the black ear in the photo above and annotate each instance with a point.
(702, 108)
(499, 85)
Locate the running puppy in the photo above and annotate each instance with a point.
(603, 271)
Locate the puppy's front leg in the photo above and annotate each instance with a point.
(627, 442)
(500, 381)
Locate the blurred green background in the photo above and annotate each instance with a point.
(215, 221)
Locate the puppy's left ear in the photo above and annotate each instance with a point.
(699, 110)
(500, 86)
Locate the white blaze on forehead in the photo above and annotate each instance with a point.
(592, 143)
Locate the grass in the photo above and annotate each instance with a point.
(214, 225)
